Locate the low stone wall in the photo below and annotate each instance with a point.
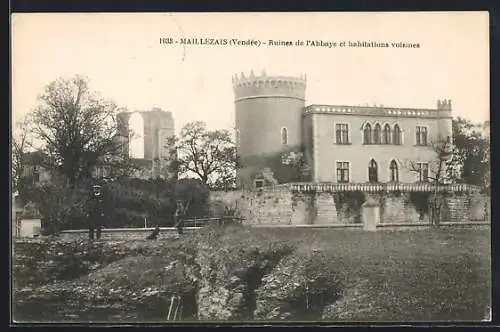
(170, 233)
(282, 206)
(131, 234)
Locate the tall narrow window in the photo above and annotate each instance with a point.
(421, 135)
(342, 171)
(342, 133)
(423, 172)
(36, 174)
(387, 134)
(367, 134)
(394, 171)
(396, 137)
(372, 171)
(376, 134)
(237, 136)
(284, 136)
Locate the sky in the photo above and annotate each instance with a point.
(123, 59)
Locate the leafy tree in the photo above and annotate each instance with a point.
(195, 194)
(210, 155)
(59, 205)
(472, 150)
(78, 130)
(132, 200)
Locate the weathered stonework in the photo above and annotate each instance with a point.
(326, 212)
(303, 211)
(281, 206)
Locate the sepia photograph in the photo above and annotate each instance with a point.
(255, 167)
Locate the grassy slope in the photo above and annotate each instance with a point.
(412, 275)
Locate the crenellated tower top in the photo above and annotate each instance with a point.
(258, 86)
(444, 108)
(444, 104)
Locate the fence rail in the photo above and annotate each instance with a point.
(200, 222)
(380, 187)
(189, 224)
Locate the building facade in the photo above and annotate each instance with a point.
(276, 132)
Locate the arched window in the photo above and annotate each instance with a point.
(387, 134)
(372, 171)
(376, 134)
(284, 136)
(396, 137)
(367, 134)
(394, 171)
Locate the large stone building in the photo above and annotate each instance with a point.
(281, 139)
(146, 134)
(143, 137)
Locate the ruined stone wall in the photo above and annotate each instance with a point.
(280, 206)
(265, 207)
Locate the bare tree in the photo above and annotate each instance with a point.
(208, 154)
(439, 171)
(78, 129)
(21, 143)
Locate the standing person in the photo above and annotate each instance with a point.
(96, 213)
(180, 215)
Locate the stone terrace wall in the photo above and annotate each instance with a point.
(281, 206)
(403, 208)
(480, 208)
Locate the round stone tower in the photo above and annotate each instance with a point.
(268, 116)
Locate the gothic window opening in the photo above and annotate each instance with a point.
(342, 133)
(421, 135)
(387, 134)
(342, 171)
(372, 171)
(136, 136)
(396, 137)
(376, 134)
(284, 136)
(394, 171)
(367, 134)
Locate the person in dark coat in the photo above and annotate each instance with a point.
(96, 213)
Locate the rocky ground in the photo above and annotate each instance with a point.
(242, 274)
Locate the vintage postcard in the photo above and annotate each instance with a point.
(251, 167)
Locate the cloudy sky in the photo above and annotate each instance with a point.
(124, 60)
